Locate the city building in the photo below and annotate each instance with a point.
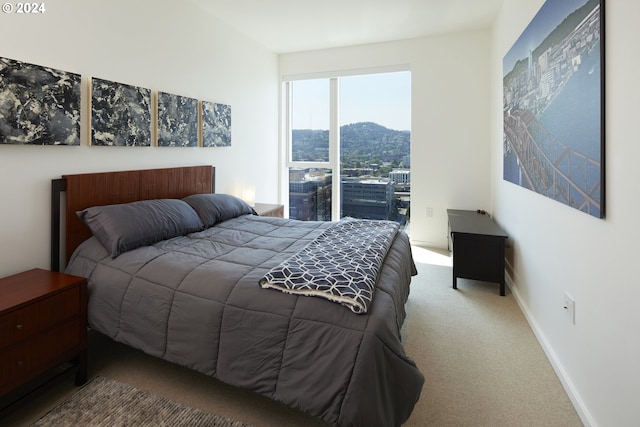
(400, 176)
(309, 195)
(370, 198)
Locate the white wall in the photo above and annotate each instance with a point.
(450, 149)
(557, 248)
(161, 45)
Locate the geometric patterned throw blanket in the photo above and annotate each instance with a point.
(341, 265)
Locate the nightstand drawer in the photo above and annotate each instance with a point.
(59, 307)
(15, 363)
(24, 322)
(25, 360)
(18, 325)
(58, 341)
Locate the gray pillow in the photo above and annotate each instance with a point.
(214, 208)
(123, 227)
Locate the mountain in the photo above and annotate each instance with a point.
(360, 144)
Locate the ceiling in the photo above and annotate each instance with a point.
(284, 26)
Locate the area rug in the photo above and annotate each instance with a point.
(105, 402)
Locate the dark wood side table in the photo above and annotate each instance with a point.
(478, 245)
(43, 324)
(268, 209)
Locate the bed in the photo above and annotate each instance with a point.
(194, 296)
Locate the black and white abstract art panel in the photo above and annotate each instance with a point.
(120, 114)
(177, 121)
(216, 124)
(38, 105)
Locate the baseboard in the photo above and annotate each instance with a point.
(566, 382)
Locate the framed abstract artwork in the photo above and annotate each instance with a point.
(177, 121)
(553, 105)
(216, 124)
(120, 114)
(38, 105)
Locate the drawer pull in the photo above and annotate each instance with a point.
(19, 327)
(20, 363)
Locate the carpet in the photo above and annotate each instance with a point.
(105, 402)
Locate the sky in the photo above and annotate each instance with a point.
(383, 98)
(550, 15)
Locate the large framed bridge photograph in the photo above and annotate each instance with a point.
(553, 105)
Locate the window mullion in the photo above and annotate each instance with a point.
(334, 146)
(288, 128)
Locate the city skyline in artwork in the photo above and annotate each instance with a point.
(553, 106)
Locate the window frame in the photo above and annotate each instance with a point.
(334, 128)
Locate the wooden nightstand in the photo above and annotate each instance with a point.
(43, 324)
(268, 209)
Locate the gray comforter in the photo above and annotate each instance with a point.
(195, 300)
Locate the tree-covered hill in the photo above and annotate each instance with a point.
(361, 144)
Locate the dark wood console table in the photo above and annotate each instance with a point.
(477, 243)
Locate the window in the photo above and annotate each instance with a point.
(348, 145)
(310, 121)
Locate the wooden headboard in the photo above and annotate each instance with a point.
(107, 188)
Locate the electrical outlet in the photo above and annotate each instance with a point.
(429, 212)
(570, 307)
